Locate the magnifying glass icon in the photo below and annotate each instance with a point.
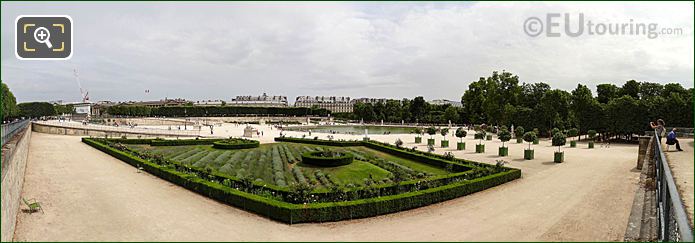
(42, 35)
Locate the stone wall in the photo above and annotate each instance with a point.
(14, 153)
(97, 132)
(642, 223)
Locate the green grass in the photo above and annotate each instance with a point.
(280, 163)
(409, 163)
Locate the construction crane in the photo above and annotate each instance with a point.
(84, 94)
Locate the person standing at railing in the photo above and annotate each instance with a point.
(659, 128)
(671, 139)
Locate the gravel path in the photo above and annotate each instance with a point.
(90, 196)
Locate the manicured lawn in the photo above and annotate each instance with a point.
(280, 164)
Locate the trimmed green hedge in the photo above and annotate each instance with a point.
(338, 143)
(181, 142)
(235, 144)
(318, 158)
(208, 184)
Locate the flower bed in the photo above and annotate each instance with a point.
(292, 205)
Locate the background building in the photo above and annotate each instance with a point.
(337, 104)
(259, 101)
(446, 102)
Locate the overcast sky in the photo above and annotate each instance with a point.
(218, 50)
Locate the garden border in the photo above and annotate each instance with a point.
(191, 178)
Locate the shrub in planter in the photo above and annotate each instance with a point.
(461, 133)
(488, 137)
(559, 140)
(573, 133)
(431, 131)
(444, 142)
(326, 158)
(480, 147)
(418, 132)
(529, 137)
(519, 133)
(535, 131)
(504, 135)
(592, 136)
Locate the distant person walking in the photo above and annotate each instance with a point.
(659, 127)
(671, 139)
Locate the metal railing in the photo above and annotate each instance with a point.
(10, 129)
(672, 218)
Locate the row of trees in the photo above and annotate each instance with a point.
(501, 100)
(199, 111)
(407, 110)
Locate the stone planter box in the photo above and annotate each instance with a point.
(418, 139)
(461, 146)
(503, 151)
(430, 141)
(536, 141)
(591, 144)
(559, 157)
(573, 144)
(480, 148)
(528, 154)
(445, 143)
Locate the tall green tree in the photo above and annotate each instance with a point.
(648, 90)
(580, 104)
(625, 116)
(9, 103)
(631, 88)
(36, 109)
(553, 110)
(607, 92)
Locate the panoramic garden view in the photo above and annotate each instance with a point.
(347, 121)
(331, 180)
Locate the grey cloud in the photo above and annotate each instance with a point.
(214, 50)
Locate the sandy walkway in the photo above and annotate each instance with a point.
(88, 195)
(682, 167)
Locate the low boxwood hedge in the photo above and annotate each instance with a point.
(210, 185)
(338, 143)
(321, 158)
(181, 142)
(235, 144)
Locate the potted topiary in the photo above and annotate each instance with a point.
(504, 135)
(592, 136)
(431, 131)
(529, 137)
(573, 133)
(461, 133)
(519, 133)
(555, 130)
(444, 142)
(559, 140)
(480, 147)
(535, 131)
(418, 132)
